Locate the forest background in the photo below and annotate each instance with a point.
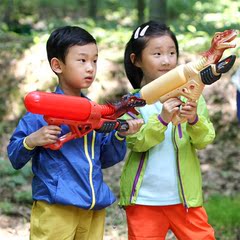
(24, 29)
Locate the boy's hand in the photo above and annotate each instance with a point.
(189, 111)
(170, 107)
(134, 126)
(43, 136)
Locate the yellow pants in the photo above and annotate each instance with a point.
(58, 222)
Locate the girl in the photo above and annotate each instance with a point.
(161, 186)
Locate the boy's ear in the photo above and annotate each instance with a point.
(56, 65)
(133, 60)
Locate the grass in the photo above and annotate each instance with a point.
(224, 216)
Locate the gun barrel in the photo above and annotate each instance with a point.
(164, 84)
(58, 106)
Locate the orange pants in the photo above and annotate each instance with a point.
(153, 222)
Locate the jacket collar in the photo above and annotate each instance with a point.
(58, 90)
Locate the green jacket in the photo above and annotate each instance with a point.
(195, 137)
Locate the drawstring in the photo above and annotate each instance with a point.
(179, 130)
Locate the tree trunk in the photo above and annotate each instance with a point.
(7, 17)
(92, 9)
(140, 8)
(158, 10)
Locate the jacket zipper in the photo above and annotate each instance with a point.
(90, 171)
(178, 168)
(137, 175)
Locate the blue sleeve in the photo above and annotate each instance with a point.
(113, 149)
(17, 153)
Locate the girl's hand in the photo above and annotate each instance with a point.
(45, 135)
(170, 107)
(134, 126)
(189, 111)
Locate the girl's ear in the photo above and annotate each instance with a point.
(56, 65)
(133, 60)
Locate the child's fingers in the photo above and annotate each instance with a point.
(50, 130)
(54, 128)
(134, 126)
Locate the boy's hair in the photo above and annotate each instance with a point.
(138, 42)
(65, 37)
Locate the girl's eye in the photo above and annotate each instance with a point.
(158, 54)
(95, 61)
(172, 53)
(81, 60)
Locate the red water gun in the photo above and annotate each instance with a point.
(80, 114)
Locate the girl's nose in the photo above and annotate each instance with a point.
(165, 60)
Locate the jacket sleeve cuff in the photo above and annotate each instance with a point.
(162, 121)
(120, 138)
(26, 146)
(194, 122)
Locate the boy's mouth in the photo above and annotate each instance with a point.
(89, 78)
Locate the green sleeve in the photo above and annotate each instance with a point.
(150, 134)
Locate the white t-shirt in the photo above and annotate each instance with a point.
(160, 182)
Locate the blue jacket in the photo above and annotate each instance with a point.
(73, 174)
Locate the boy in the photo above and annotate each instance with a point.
(68, 183)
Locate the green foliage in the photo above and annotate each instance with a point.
(18, 15)
(224, 216)
(13, 183)
(23, 197)
(59, 9)
(7, 208)
(12, 46)
(176, 7)
(196, 22)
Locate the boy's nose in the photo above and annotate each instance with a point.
(90, 67)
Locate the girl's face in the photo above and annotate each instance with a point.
(158, 57)
(79, 70)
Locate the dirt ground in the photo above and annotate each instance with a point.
(17, 228)
(13, 228)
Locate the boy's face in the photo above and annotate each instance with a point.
(79, 69)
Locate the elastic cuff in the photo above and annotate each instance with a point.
(26, 146)
(120, 138)
(162, 121)
(195, 121)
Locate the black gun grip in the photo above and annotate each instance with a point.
(108, 126)
(123, 125)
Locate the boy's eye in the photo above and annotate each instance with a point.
(157, 53)
(172, 53)
(81, 60)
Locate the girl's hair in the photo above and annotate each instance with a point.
(138, 42)
(65, 37)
